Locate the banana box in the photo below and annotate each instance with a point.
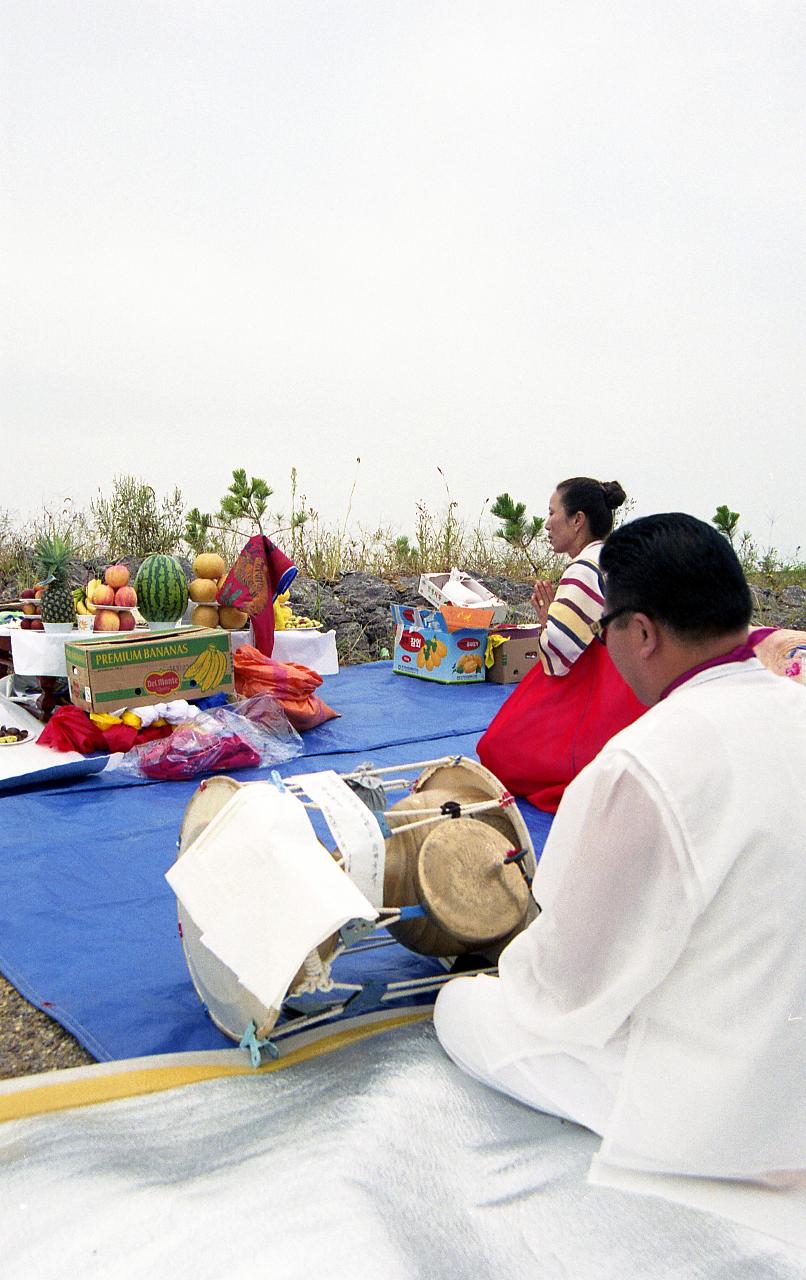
(106, 672)
(446, 645)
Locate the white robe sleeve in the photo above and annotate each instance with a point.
(618, 899)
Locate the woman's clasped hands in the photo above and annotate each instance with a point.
(542, 596)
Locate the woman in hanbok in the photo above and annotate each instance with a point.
(560, 716)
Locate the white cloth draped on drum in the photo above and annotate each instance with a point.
(262, 889)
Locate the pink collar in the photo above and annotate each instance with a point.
(740, 654)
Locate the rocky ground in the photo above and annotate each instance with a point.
(357, 607)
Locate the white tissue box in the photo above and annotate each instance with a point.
(432, 588)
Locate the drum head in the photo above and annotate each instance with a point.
(467, 781)
(465, 885)
(203, 806)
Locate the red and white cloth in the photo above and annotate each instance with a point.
(260, 574)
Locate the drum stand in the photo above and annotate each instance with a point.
(359, 998)
(366, 825)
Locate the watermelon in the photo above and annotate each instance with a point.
(162, 591)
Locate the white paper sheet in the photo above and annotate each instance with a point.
(354, 828)
(263, 890)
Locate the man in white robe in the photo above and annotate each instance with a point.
(659, 998)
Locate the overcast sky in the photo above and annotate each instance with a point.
(516, 240)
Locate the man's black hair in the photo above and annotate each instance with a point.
(680, 571)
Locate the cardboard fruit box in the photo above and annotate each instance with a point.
(515, 659)
(446, 645)
(436, 588)
(105, 672)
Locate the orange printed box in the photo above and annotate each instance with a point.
(446, 645)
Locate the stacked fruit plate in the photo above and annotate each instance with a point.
(112, 600)
(31, 603)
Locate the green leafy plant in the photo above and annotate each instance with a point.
(299, 518)
(517, 530)
(726, 521)
(198, 525)
(16, 561)
(246, 500)
(451, 529)
(403, 554)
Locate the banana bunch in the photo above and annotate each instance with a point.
(79, 601)
(431, 654)
(105, 720)
(89, 607)
(209, 668)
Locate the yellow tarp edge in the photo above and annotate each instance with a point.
(102, 1087)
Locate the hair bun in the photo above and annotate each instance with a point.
(614, 495)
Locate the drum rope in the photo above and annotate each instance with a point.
(437, 815)
(316, 974)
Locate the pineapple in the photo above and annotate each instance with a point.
(53, 555)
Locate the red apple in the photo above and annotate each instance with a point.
(106, 620)
(117, 575)
(25, 624)
(36, 624)
(38, 594)
(127, 621)
(126, 597)
(103, 595)
(27, 594)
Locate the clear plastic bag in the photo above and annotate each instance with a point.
(216, 741)
(265, 712)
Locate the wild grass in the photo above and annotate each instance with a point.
(134, 519)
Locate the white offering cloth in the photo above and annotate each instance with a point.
(263, 890)
(673, 894)
(37, 653)
(315, 650)
(27, 758)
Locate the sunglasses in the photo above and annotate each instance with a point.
(599, 628)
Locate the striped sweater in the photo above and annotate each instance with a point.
(579, 601)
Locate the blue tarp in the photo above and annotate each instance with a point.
(87, 921)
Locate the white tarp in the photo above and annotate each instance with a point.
(381, 1159)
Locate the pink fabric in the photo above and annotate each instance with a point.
(189, 751)
(261, 572)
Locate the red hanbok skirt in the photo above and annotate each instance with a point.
(552, 726)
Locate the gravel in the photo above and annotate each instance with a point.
(30, 1041)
